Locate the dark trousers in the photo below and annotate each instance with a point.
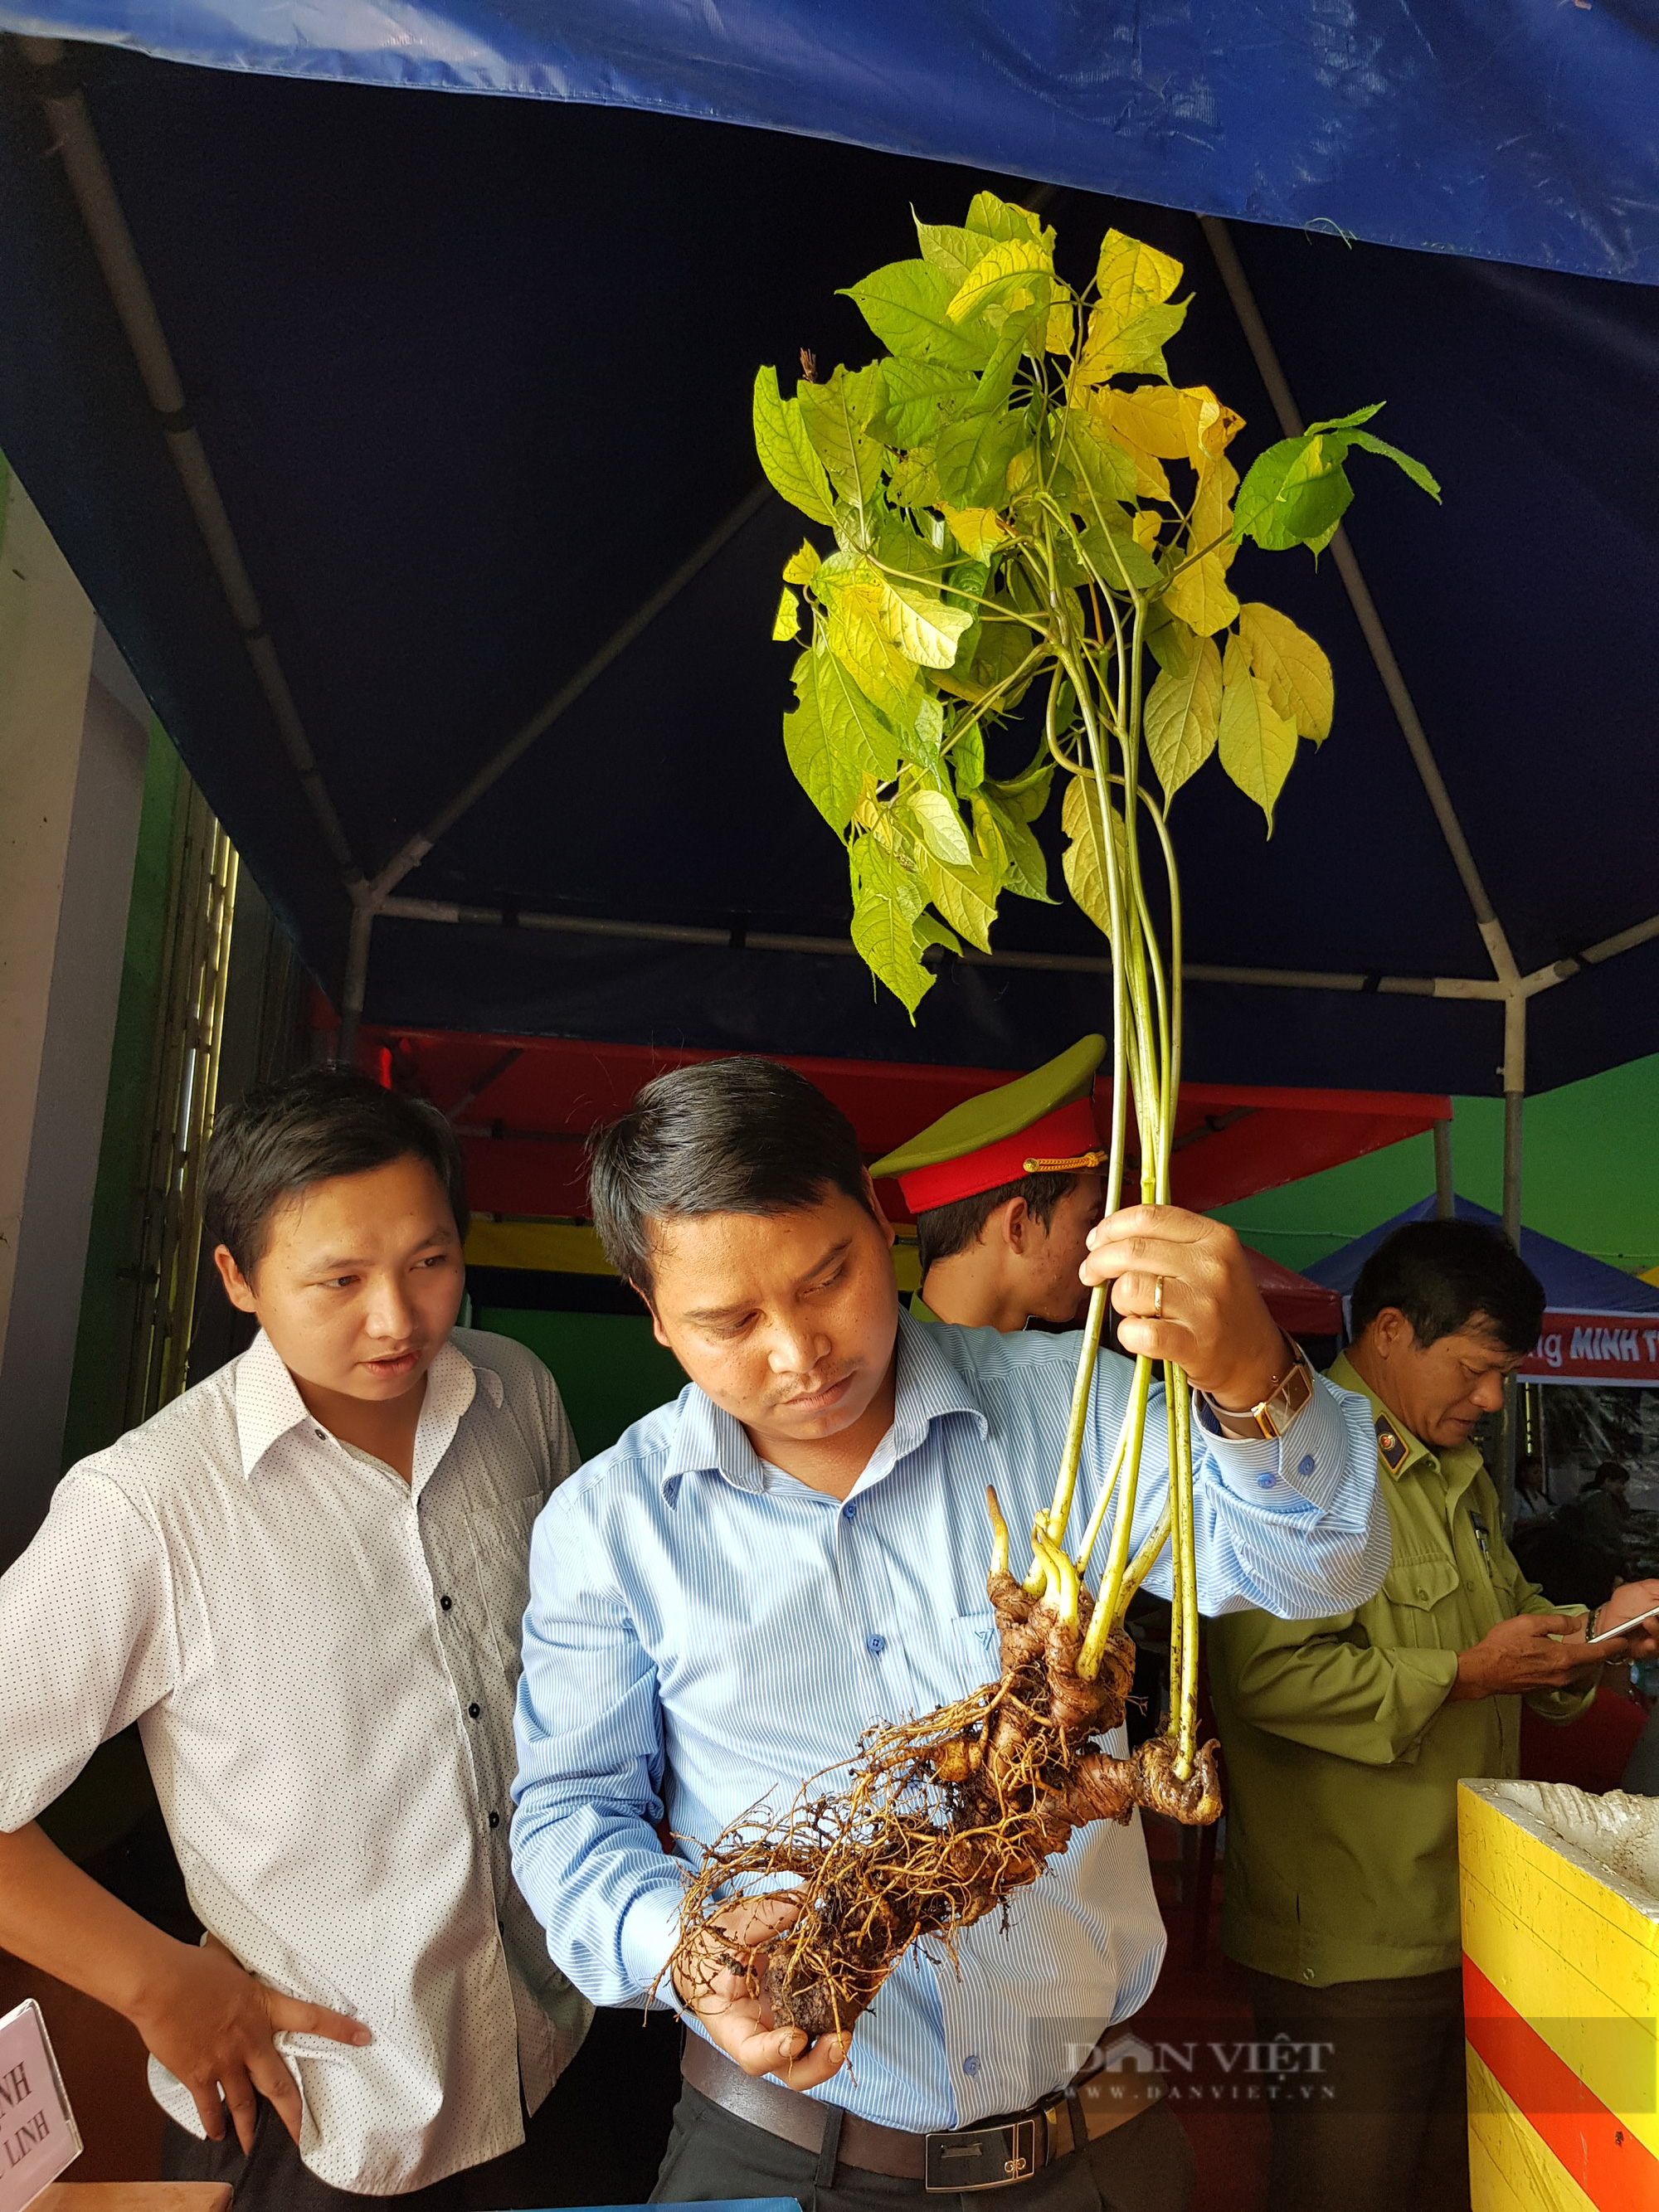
(597, 2138)
(1146, 2166)
(1379, 2119)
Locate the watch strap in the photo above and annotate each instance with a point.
(1267, 1421)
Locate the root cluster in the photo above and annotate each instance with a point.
(943, 1817)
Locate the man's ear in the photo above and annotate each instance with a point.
(874, 1204)
(644, 1297)
(238, 1289)
(1392, 1332)
(1018, 1225)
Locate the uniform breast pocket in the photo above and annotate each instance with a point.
(1414, 1589)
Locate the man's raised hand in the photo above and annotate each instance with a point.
(1208, 1315)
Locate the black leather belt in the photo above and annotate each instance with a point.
(992, 2155)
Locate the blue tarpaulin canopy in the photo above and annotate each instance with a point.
(470, 378)
(1573, 1281)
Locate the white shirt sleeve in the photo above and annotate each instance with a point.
(87, 1639)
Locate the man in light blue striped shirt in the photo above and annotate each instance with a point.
(796, 1548)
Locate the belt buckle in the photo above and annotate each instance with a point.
(982, 2158)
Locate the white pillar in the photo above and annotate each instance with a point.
(73, 737)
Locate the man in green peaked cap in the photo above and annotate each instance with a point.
(1004, 1190)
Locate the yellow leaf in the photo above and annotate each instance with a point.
(1294, 669)
(977, 529)
(989, 277)
(917, 621)
(1182, 715)
(960, 895)
(859, 640)
(1130, 276)
(1258, 743)
(941, 827)
(1207, 425)
(800, 567)
(1148, 422)
(1085, 878)
(1145, 529)
(785, 624)
(1059, 335)
(1200, 593)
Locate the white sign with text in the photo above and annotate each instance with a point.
(38, 2135)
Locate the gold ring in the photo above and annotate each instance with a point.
(1158, 1299)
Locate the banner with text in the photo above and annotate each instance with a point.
(1595, 1347)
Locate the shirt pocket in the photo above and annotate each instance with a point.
(1414, 1590)
(978, 1649)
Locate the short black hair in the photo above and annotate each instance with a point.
(942, 1231)
(280, 1138)
(1610, 1471)
(1441, 1274)
(723, 1136)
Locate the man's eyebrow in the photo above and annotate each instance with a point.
(331, 1262)
(704, 1314)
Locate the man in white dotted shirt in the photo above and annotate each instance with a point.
(304, 1581)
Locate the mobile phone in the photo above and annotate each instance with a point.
(1608, 1635)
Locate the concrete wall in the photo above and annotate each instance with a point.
(72, 746)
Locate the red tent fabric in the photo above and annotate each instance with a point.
(525, 1107)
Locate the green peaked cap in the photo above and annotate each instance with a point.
(1000, 1113)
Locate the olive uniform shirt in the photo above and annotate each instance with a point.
(1342, 1753)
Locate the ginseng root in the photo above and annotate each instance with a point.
(944, 1818)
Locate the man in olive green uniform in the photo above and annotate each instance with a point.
(1004, 1190)
(1345, 1739)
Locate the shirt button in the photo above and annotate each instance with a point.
(970, 2063)
(875, 1645)
(446, 1602)
(473, 1712)
(1422, 1595)
(1306, 1464)
(321, 1435)
(495, 1819)
(1267, 1482)
(1307, 1973)
(849, 1512)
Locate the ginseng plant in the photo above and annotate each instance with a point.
(1025, 509)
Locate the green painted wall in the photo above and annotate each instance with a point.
(97, 1407)
(608, 1367)
(1590, 1175)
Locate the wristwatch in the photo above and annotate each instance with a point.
(1270, 1419)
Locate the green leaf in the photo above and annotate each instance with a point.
(1104, 472)
(887, 899)
(1347, 422)
(828, 773)
(913, 483)
(922, 741)
(1258, 743)
(785, 624)
(801, 566)
(967, 897)
(791, 467)
(931, 930)
(1025, 862)
(853, 723)
(1026, 802)
(1004, 219)
(968, 758)
(1003, 278)
(1085, 878)
(905, 304)
(1415, 470)
(852, 457)
(1294, 493)
(920, 394)
(951, 250)
(939, 826)
(1294, 669)
(1181, 719)
(1119, 561)
(971, 458)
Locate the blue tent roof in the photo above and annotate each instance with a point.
(1520, 130)
(473, 376)
(1573, 1282)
